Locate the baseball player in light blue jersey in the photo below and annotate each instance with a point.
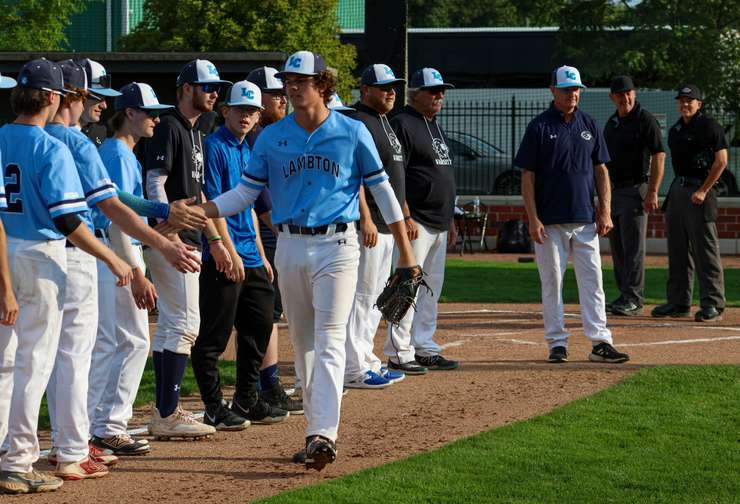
(314, 161)
(44, 198)
(8, 303)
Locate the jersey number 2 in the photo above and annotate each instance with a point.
(13, 188)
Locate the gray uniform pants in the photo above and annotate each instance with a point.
(627, 243)
(693, 243)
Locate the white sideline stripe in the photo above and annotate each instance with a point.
(452, 344)
(131, 432)
(680, 342)
(511, 312)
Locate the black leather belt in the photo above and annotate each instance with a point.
(338, 227)
(69, 244)
(621, 184)
(102, 233)
(689, 181)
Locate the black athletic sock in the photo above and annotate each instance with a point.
(157, 360)
(173, 369)
(269, 377)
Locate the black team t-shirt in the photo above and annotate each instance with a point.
(693, 145)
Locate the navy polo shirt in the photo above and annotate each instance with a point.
(562, 156)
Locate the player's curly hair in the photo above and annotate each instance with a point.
(326, 82)
(28, 101)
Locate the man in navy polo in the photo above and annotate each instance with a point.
(562, 151)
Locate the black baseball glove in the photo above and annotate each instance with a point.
(399, 293)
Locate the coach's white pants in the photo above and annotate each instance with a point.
(317, 279)
(375, 267)
(178, 303)
(552, 259)
(415, 333)
(66, 393)
(39, 270)
(119, 357)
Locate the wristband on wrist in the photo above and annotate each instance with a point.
(406, 217)
(214, 239)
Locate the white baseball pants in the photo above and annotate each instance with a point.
(552, 260)
(66, 393)
(375, 267)
(39, 270)
(317, 279)
(415, 333)
(178, 303)
(119, 357)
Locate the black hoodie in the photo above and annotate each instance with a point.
(391, 155)
(177, 148)
(430, 178)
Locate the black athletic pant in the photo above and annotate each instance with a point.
(627, 242)
(223, 305)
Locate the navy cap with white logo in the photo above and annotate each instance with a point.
(379, 75)
(7, 82)
(200, 72)
(566, 77)
(41, 74)
(265, 78)
(99, 81)
(690, 91)
(427, 78)
(139, 96)
(335, 103)
(245, 94)
(303, 63)
(74, 75)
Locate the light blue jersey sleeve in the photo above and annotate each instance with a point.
(61, 189)
(368, 159)
(255, 174)
(94, 177)
(3, 199)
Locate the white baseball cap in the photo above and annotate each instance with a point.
(199, 71)
(98, 80)
(427, 78)
(379, 75)
(565, 77)
(335, 103)
(245, 94)
(7, 82)
(303, 63)
(140, 96)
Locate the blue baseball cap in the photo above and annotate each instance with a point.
(139, 96)
(428, 78)
(42, 74)
(200, 72)
(7, 82)
(335, 103)
(73, 73)
(303, 63)
(565, 77)
(379, 75)
(245, 94)
(99, 81)
(265, 78)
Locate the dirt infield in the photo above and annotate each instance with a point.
(503, 378)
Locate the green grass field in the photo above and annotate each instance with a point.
(668, 434)
(496, 282)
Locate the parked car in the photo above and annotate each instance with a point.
(481, 167)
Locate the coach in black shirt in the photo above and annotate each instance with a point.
(635, 146)
(699, 154)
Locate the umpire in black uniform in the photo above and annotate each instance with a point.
(699, 152)
(636, 149)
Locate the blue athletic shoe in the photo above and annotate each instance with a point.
(390, 375)
(369, 380)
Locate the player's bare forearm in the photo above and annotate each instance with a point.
(258, 236)
(8, 304)
(720, 162)
(210, 208)
(82, 237)
(406, 256)
(528, 194)
(657, 169)
(603, 188)
(131, 224)
(364, 209)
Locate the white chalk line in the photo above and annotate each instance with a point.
(680, 342)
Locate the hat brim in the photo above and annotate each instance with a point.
(565, 85)
(686, 96)
(272, 89)
(238, 104)
(343, 108)
(7, 82)
(222, 82)
(445, 85)
(102, 91)
(621, 90)
(386, 82)
(281, 75)
(160, 106)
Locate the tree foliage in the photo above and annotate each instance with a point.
(245, 25)
(36, 25)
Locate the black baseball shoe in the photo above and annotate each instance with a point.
(609, 305)
(259, 412)
(671, 310)
(437, 363)
(558, 354)
(223, 419)
(409, 368)
(122, 445)
(626, 308)
(299, 457)
(276, 396)
(320, 451)
(708, 314)
(604, 352)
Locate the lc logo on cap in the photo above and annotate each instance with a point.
(303, 63)
(245, 94)
(379, 75)
(428, 78)
(566, 77)
(140, 96)
(199, 72)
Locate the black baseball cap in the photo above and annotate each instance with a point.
(690, 91)
(427, 78)
(622, 83)
(140, 96)
(379, 75)
(264, 78)
(200, 71)
(41, 74)
(73, 73)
